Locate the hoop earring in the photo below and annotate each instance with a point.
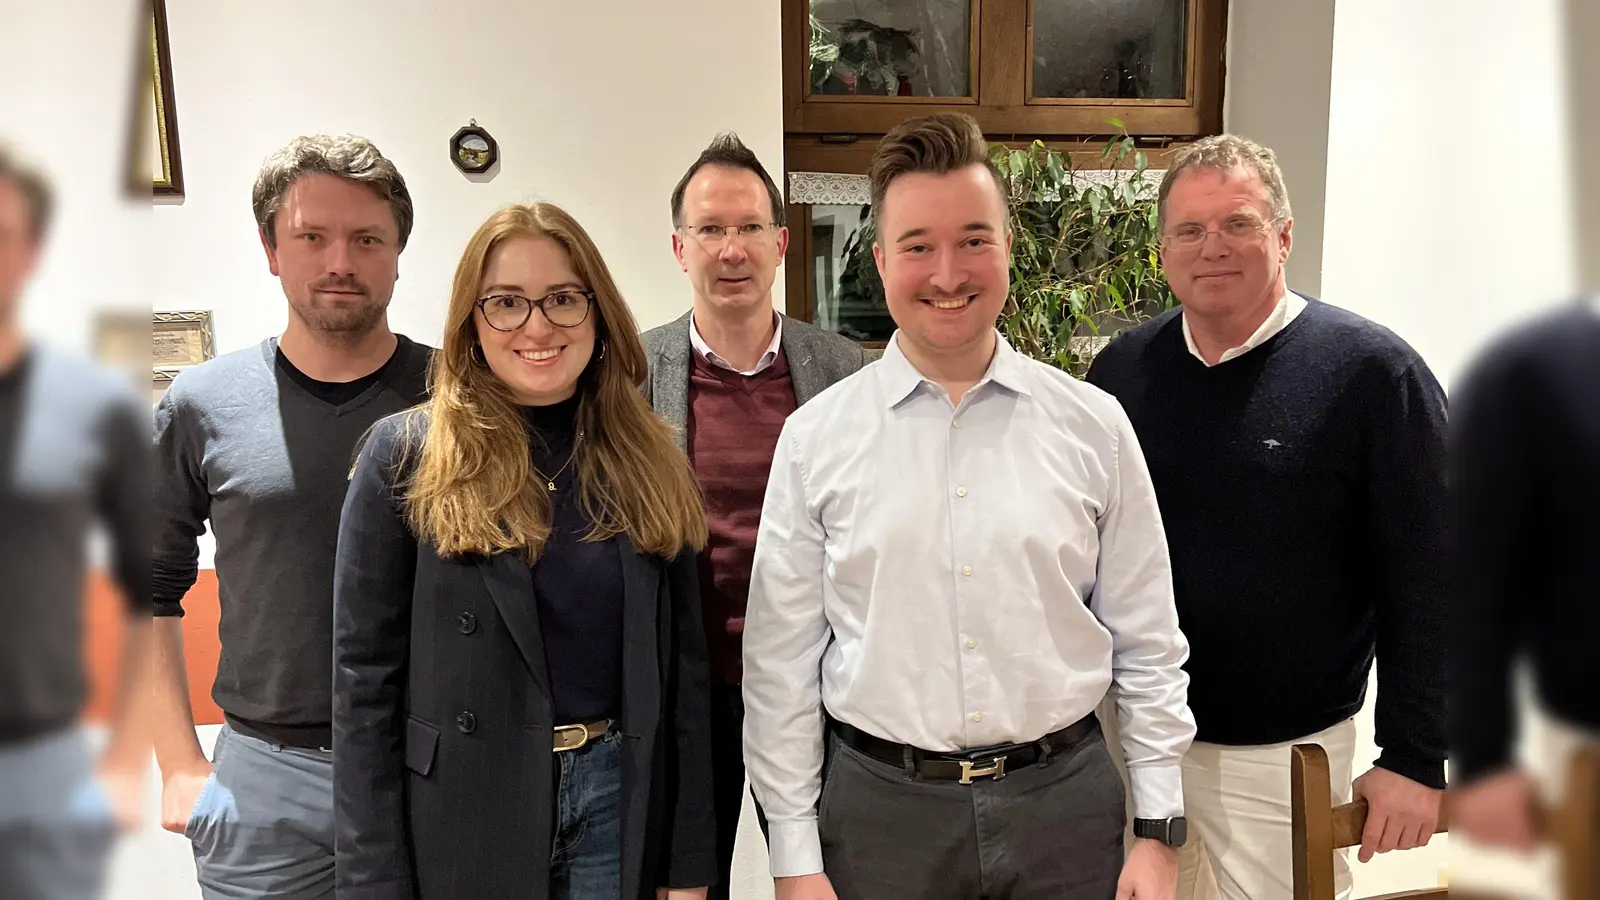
(477, 355)
(602, 354)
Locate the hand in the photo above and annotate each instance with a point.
(681, 893)
(180, 792)
(1497, 811)
(1401, 814)
(1150, 872)
(804, 887)
(124, 787)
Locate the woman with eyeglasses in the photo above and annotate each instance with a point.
(520, 686)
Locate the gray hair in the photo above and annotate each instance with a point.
(35, 190)
(347, 156)
(1224, 153)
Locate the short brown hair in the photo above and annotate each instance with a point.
(1224, 153)
(35, 189)
(347, 156)
(728, 151)
(937, 144)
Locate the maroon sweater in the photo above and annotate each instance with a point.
(734, 422)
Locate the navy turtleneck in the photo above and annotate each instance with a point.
(576, 583)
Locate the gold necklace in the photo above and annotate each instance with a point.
(550, 483)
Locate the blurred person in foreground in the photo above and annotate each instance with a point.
(71, 457)
(1525, 456)
(257, 444)
(1298, 452)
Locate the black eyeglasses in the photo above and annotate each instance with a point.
(563, 309)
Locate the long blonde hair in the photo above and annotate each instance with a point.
(473, 489)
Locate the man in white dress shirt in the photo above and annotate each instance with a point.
(959, 555)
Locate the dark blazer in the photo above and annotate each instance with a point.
(442, 717)
(817, 359)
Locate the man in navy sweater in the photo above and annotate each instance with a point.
(1525, 480)
(1298, 452)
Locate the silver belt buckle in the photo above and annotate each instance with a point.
(995, 768)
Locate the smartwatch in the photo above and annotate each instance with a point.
(1173, 832)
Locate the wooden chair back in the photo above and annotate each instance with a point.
(1320, 828)
(1574, 828)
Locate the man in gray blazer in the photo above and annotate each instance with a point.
(726, 375)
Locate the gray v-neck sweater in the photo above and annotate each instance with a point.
(241, 445)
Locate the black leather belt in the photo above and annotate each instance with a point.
(964, 766)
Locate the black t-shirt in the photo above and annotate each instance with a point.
(336, 393)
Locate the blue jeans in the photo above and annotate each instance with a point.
(263, 825)
(586, 860)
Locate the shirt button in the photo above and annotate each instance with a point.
(956, 423)
(966, 570)
(961, 491)
(972, 643)
(977, 717)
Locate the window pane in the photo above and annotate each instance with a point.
(908, 48)
(1115, 49)
(849, 293)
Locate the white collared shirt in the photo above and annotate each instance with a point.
(957, 578)
(1289, 306)
(710, 356)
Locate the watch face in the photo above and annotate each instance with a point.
(1177, 832)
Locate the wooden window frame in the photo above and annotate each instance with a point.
(1000, 84)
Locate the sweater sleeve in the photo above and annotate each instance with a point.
(1407, 530)
(182, 500)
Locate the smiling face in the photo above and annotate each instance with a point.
(944, 254)
(337, 254)
(539, 362)
(1239, 269)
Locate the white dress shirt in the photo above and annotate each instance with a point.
(957, 578)
(709, 355)
(1289, 306)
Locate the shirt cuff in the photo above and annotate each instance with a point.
(796, 848)
(1157, 791)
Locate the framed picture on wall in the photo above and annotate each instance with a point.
(161, 130)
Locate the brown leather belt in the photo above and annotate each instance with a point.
(571, 737)
(964, 766)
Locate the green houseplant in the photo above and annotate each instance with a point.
(1085, 258)
(1085, 255)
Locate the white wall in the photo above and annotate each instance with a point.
(1280, 70)
(1449, 208)
(598, 107)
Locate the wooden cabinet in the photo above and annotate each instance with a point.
(1039, 68)
(1069, 72)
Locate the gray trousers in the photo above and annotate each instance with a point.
(56, 827)
(263, 825)
(1050, 831)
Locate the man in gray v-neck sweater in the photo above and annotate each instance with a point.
(243, 444)
(258, 444)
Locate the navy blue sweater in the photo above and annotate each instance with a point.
(1525, 461)
(1302, 487)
